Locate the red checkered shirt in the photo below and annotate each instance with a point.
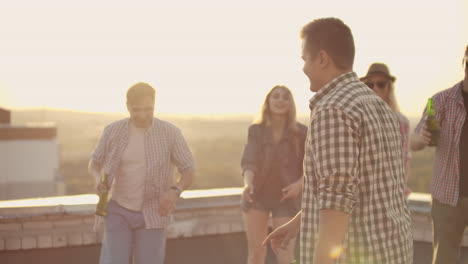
(450, 111)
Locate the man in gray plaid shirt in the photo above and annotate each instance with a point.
(353, 206)
(140, 154)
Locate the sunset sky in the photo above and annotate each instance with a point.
(213, 57)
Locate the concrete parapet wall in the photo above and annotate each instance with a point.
(68, 221)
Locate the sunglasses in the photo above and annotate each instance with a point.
(380, 84)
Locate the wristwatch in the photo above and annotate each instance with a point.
(177, 190)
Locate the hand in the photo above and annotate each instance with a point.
(422, 139)
(280, 238)
(101, 188)
(167, 202)
(407, 191)
(248, 193)
(292, 191)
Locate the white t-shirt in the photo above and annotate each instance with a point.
(129, 184)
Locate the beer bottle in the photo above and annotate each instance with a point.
(103, 198)
(431, 123)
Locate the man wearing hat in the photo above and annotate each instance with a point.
(449, 186)
(379, 79)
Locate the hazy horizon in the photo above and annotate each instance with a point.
(304, 117)
(216, 141)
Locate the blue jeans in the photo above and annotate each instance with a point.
(125, 237)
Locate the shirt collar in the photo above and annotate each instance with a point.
(456, 93)
(329, 87)
(153, 126)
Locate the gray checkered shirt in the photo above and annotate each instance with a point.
(353, 163)
(165, 149)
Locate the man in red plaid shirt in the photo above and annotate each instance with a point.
(449, 185)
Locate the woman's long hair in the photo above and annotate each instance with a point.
(392, 101)
(265, 114)
(291, 119)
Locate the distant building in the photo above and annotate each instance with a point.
(5, 116)
(29, 160)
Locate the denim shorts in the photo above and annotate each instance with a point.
(287, 208)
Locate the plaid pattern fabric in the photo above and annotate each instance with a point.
(354, 163)
(165, 149)
(405, 130)
(450, 111)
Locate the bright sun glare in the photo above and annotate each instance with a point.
(206, 57)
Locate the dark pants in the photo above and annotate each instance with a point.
(448, 226)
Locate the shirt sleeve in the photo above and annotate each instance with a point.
(250, 153)
(335, 150)
(182, 155)
(405, 129)
(99, 154)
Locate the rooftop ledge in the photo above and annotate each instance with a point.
(67, 221)
(191, 199)
(86, 203)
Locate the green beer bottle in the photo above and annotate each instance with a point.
(103, 198)
(431, 123)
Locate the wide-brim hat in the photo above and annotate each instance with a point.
(378, 68)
